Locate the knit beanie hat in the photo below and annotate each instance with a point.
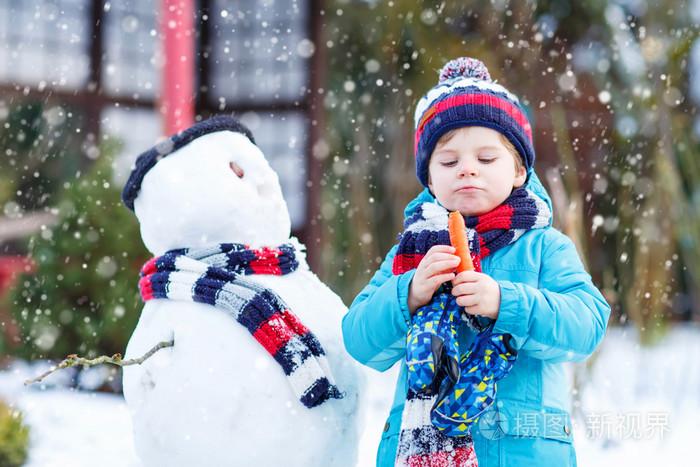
(466, 96)
(148, 159)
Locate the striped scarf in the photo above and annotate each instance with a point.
(215, 276)
(447, 392)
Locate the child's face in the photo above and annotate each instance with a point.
(473, 172)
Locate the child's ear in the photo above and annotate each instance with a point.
(520, 177)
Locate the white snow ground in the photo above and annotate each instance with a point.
(639, 406)
(69, 427)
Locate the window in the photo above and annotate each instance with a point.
(45, 42)
(256, 66)
(131, 45)
(282, 138)
(118, 124)
(259, 68)
(260, 50)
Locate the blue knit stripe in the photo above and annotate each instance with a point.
(313, 344)
(167, 262)
(206, 289)
(256, 312)
(320, 392)
(297, 350)
(420, 242)
(288, 261)
(222, 274)
(529, 210)
(240, 259)
(422, 441)
(497, 239)
(159, 284)
(478, 115)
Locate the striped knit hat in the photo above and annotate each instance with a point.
(466, 96)
(148, 159)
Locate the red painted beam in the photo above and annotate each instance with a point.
(11, 268)
(177, 78)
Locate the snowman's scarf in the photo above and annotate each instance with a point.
(448, 393)
(215, 276)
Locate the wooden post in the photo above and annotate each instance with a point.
(312, 231)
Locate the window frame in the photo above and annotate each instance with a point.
(92, 99)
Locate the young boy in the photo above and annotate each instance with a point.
(474, 154)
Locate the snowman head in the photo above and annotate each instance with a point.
(209, 184)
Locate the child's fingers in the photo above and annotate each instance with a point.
(467, 276)
(465, 288)
(440, 249)
(438, 280)
(439, 267)
(439, 256)
(467, 300)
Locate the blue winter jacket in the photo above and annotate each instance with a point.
(551, 308)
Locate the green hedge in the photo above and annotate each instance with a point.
(83, 297)
(14, 437)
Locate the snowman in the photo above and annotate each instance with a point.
(257, 374)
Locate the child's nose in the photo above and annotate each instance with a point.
(468, 168)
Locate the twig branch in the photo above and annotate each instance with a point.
(116, 359)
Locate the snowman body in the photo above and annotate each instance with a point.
(217, 397)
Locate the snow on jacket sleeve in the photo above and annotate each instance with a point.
(375, 326)
(562, 320)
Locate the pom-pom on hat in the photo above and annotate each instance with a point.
(148, 159)
(466, 96)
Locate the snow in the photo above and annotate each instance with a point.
(658, 386)
(68, 426)
(641, 405)
(185, 200)
(229, 394)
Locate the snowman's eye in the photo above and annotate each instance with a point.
(237, 169)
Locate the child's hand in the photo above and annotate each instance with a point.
(436, 267)
(478, 293)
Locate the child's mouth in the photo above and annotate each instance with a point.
(468, 189)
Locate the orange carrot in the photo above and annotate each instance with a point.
(458, 238)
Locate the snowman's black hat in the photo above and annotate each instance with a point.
(148, 159)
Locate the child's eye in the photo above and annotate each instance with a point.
(448, 163)
(486, 160)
